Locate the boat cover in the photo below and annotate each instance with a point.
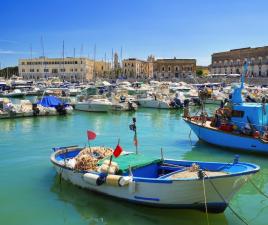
(132, 160)
(49, 101)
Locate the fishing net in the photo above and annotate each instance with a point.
(88, 158)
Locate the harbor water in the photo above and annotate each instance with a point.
(31, 193)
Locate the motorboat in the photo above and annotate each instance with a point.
(94, 104)
(16, 93)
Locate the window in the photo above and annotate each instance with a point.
(169, 68)
(163, 68)
(237, 113)
(37, 70)
(62, 70)
(31, 70)
(23, 70)
(46, 70)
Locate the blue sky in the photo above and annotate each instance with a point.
(164, 28)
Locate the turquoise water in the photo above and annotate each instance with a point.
(31, 193)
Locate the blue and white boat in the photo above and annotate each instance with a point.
(159, 182)
(241, 125)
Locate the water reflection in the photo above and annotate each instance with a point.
(98, 209)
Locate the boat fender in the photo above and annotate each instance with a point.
(236, 159)
(125, 180)
(113, 180)
(93, 179)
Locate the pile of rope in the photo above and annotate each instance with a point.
(88, 158)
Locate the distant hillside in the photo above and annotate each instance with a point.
(9, 71)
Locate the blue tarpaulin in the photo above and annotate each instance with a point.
(49, 101)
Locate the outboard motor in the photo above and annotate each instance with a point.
(35, 109)
(186, 102)
(61, 109)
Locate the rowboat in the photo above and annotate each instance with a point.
(153, 181)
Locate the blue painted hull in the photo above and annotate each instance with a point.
(229, 140)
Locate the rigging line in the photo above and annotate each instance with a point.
(257, 188)
(190, 137)
(232, 210)
(205, 198)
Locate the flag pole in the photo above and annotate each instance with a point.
(135, 135)
(111, 158)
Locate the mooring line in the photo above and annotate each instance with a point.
(205, 198)
(257, 188)
(232, 210)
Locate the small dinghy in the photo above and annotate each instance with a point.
(153, 181)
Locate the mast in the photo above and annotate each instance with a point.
(31, 59)
(63, 66)
(43, 54)
(94, 65)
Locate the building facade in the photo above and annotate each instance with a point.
(102, 69)
(71, 69)
(231, 62)
(173, 68)
(137, 69)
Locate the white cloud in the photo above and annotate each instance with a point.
(11, 52)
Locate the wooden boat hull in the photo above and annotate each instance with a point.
(162, 192)
(228, 139)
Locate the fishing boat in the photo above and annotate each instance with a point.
(153, 181)
(237, 125)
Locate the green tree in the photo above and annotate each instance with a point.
(199, 72)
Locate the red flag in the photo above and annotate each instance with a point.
(91, 135)
(117, 151)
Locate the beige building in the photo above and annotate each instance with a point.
(173, 68)
(71, 69)
(137, 69)
(102, 69)
(231, 62)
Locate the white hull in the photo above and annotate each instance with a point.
(165, 192)
(93, 107)
(150, 103)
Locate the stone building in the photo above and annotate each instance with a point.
(137, 69)
(173, 68)
(70, 69)
(231, 62)
(101, 69)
